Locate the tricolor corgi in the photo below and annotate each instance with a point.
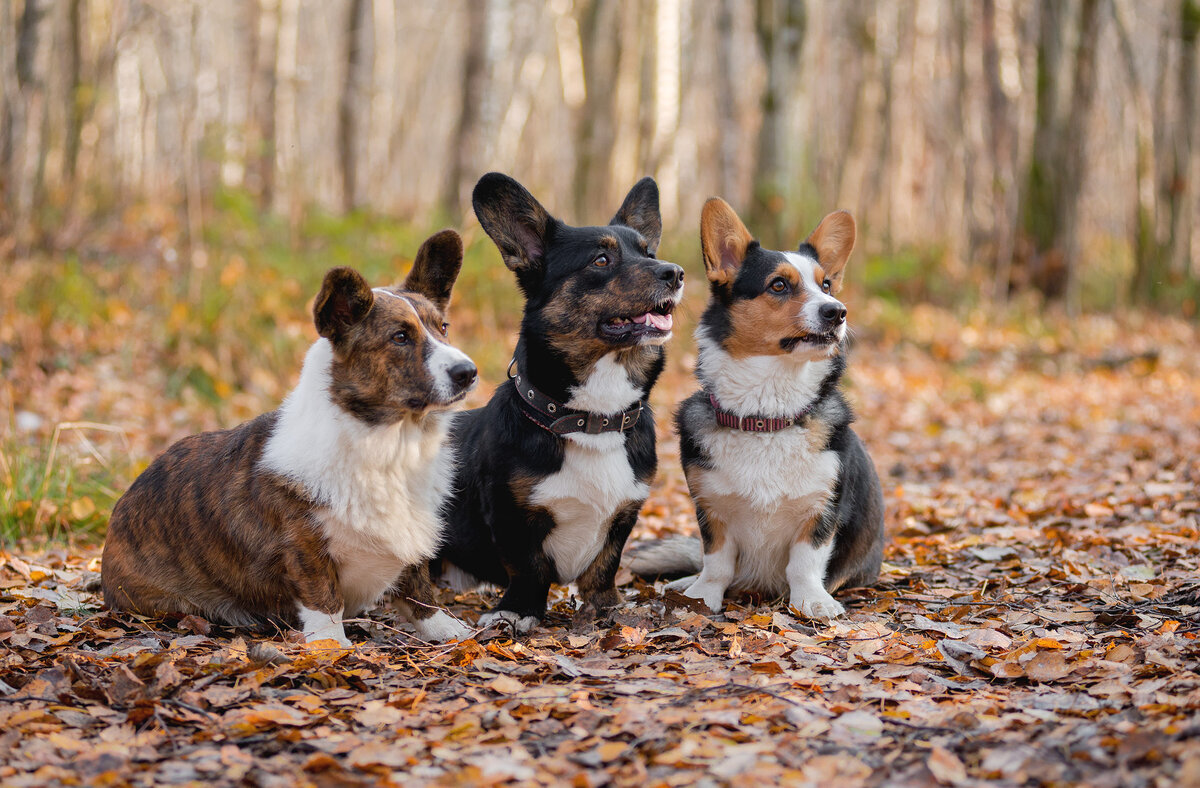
(311, 512)
(555, 468)
(787, 500)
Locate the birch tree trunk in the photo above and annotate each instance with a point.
(780, 25)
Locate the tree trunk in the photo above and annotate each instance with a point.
(1183, 187)
(1003, 158)
(33, 48)
(465, 152)
(349, 105)
(780, 25)
(594, 128)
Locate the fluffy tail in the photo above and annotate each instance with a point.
(673, 556)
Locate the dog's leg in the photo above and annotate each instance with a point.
(806, 579)
(597, 584)
(320, 605)
(523, 603)
(718, 572)
(413, 595)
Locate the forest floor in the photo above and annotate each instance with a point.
(1037, 621)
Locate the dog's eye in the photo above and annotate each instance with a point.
(600, 261)
(778, 285)
(445, 328)
(826, 285)
(400, 338)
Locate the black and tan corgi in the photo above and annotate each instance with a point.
(553, 470)
(311, 512)
(787, 499)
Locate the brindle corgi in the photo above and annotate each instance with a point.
(786, 497)
(311, 512)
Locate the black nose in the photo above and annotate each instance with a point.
(462, 374)
(832, 312)
(671, 274)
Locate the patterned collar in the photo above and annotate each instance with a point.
(554, 416)
(757, 423)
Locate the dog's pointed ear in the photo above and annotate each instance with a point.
(344, 300)
(640, 211)
(436, 268)
(833, 241)
(515, 221)
(723, 240)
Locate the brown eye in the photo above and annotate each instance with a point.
(778, 285)
(445, 328)
(400, 338)
(601, 261)
(826, 285)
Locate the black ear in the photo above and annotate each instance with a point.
(344, 300)
(436, 268)
(515, 221)
(640, 211)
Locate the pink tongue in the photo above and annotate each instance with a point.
(661, 322)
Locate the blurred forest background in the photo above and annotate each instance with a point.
(1004, 144)
(176, 175)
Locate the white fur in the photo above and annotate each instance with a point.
(771, 386)
(322, 626)
(595, 479)
(806, 578)
(520, 624)
(440, 627)
(378, 488)
(720, 568)
(815, 296)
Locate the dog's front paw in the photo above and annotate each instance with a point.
(816, 603)
(440, 627)
(519, 624)
(681, 585)
(711, 594)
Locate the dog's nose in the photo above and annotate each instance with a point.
(671, 274)
(462, 374)
(833, 312)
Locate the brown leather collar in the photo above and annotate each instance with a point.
(554, 416)
(756, 423)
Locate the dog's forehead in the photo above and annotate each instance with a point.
(759, 266)
(395, 303)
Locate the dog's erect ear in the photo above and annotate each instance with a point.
(723, 240)
(640, 211)
(436, 268)
(834, 240)
(515, 221)
(344, 300)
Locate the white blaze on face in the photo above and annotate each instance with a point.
(442, 356)
(814, 296)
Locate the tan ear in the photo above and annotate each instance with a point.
(834, 240)
(723, 239)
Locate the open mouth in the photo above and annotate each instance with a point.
(813, 339)
(655, 323)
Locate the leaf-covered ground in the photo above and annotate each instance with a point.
(1037, 621)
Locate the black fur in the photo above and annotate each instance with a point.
(493, 533)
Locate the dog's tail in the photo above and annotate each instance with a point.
(673, 556)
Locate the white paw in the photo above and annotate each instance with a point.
(328, 634)
(712, 594)
(816, 603)
(440, 627)
(681, 585)
(520, 625)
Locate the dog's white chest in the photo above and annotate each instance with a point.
(595, 480)
(768, 489)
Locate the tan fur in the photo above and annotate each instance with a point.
(723, 240)
(760, 323)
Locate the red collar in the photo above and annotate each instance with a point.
(756, 423)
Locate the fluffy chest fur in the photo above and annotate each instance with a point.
(377, 489)
(595, 479)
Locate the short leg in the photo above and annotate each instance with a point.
(318, 625)
(413, 595)
(523, 603)
(682, 584)
(715, 577)
(597, 584)
(806, 580)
